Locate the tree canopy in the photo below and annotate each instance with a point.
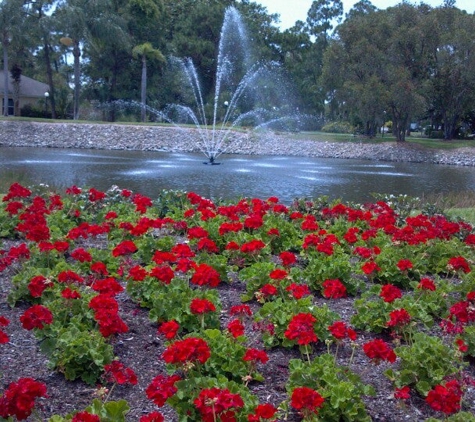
(404, 64)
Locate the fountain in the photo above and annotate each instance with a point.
(246, 93)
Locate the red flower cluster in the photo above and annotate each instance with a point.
(37, 316)
(377, 350)
(3, 336)
(106, 313)
(127, 247)
(85, 417)
(405, 265)
(236, 328)
(458, 263)
(298, 291)
(169, 329)
(162, 388)
(398, 318)
(402, 393)
(189, 350)
(81, 255)
(334, 289)
(69, 276)
(306, 400)
(287, 258)
(19, 398)
(426, 284)
(340, 331)
(205, 275)
(116, 372)
(152, 417)
(96, 195)
(301, 329)
(390, 293)
(38, 285)
(201, 306)
(240, 310)
(253, 247)
(445, 398)
(163, 273)
(255, 355)
(263, 412)
(218, 404)
(370, 267)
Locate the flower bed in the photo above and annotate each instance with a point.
(257, 311)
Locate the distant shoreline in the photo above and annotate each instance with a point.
(170, 139)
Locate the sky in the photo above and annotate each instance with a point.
(293, 10)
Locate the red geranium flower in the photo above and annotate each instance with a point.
(445, 398)
(152, 417)
(370, 267)
(67, 293)
(402, 393)
(201, 306)
(36, 316)
(278, 274)
(253, 247)
(301, 329)
(306, 400)
(138, 273)
(81, 255)
(240, 310)
(287, 258)
(38, 284)
(236, 328)
(127, 247)
(390, 293)
(85, 417)
(255, 355)
(18, 400)
(334, 289)
(116, 372)
(458, 263)
(205, 275)
(404, 264)
(95, 195)
(340, 331)
(191, 349)
(426, 284)
(169, 329)
(377, 350)
(162, 388)
(399, 318)
(164, 273)
(218, 404)
(298, 291)
(263, 412)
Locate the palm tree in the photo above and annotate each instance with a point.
(11, 15)
(146, 51)
(86, 21)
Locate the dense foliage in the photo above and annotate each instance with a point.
(410, 272)
(404, 64)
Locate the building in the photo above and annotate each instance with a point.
(31, 92)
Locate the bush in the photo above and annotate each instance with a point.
(29, 110)
(338, 127)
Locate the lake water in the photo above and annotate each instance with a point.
(237, 176)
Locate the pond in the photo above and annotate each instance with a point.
(237, 176)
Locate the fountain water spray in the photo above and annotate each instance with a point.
(246, 93)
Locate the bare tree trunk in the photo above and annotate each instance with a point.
(5, 43)
(77, 82)
(144, 87)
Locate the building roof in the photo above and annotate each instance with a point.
(28, 87)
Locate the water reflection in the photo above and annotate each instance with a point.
(237, 176)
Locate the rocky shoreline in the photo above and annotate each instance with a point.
(171, 139)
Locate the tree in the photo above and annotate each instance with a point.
(146, 52)
(11, 16)
(451, 89)
(86, 21)
(322, 16)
